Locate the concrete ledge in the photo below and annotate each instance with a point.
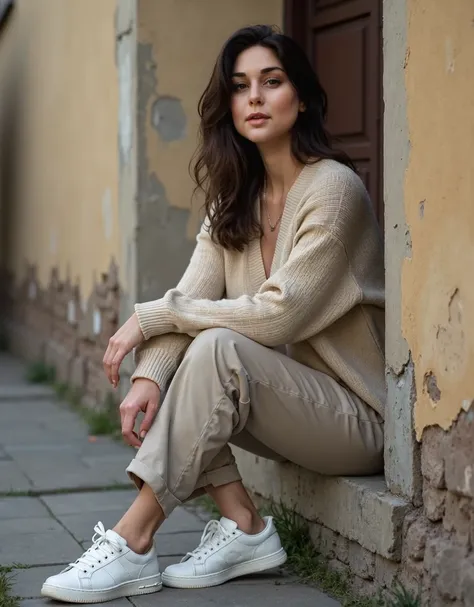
(359, 508)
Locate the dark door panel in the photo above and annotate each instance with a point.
(344, 42)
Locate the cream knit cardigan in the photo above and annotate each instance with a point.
(324, 298)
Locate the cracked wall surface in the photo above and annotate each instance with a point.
(402, 454)
(437, 286)
(58, 119)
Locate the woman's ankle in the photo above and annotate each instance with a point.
(140, 544)
(247, 521)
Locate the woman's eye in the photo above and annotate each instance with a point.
(273, 81)
(239, 86)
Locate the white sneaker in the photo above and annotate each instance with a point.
(224, 553)
(107, 570)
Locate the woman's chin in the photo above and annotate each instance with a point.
(262, 137)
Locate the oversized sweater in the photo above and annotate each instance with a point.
(323, 301)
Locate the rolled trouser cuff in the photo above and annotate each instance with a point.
(140, 473)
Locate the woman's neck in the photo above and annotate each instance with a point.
(281, 168)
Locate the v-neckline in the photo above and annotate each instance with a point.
(283, 222)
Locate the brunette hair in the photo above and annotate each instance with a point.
(228, 167)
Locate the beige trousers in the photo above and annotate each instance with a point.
(230, 389)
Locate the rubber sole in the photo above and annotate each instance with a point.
(137, 587)
(215, 579)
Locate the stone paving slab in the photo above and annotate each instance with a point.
(22, 507)
(17, 433)
(94, 479)
(38, 548)
(11, 394)
(98, 501)
(27, 582)
(28, 525)
(242, 596)
(12, 478)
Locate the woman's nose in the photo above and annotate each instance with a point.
(255, 96)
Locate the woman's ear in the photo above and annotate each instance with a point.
(302, 107)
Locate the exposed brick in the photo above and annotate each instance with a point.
(336, 565)
(411, 575)
(447, 570)
(363, 588)
(342, 548)
(48, 324)
(385, 571)
(361, 561)
(434, 447)
(434, 502)
(315, 534)
(415, 539)
(77, 373)
(457, 517)
(327, 543)
(460, 463)
(467, 581)
(434, 544)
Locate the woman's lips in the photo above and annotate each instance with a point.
(258, 120)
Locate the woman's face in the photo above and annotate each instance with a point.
(264, 104)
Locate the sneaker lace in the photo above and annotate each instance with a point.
(214, 534)
(102, 548)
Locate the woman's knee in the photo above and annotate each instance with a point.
(210, 340)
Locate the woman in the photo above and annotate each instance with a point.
(272, 340)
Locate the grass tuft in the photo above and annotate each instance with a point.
(6, 585)
(40, 373)
(402, 598)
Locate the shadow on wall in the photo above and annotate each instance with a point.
(10, 141)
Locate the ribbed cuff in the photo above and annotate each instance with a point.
(152, 318)
(155, 365)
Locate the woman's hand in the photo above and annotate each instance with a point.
(120, 344)
(144, 395)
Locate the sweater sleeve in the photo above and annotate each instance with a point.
(159, 356)
(308, 293)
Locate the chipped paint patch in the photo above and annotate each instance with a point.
(168, 118)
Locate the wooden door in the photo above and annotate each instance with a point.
(343, 39)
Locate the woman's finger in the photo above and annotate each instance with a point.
(128, 423)
(108, 358)
(115, 366)
(150, 415)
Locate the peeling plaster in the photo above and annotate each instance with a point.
(168, 118)
(402, 452)
(162, 227)
(125, 78)
(438, 294)
(430, 385)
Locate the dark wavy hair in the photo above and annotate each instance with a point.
(227, 166)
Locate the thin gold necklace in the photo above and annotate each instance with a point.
(273, 227)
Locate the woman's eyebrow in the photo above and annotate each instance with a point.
(264, 71)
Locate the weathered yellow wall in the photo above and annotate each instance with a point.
(62, 56)
(186, 36)
(437, 282)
